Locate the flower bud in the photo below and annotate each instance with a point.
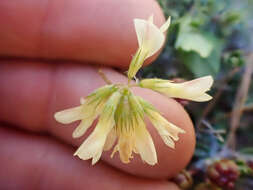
(223, 173)
(183, 180)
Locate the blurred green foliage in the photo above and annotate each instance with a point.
(203, 35)
(210, 37)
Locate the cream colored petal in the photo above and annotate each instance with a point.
(96, 157)
(166, 25)
(115, 149)
(83, 126)
(93, 111)
(166, 130)
(150, 38)
(203, 98)
(168, 141)
(173, 130)
(135, 151)
(190, 90)
(163, 126)
(110, 140)
(199, 85)
(140, 29)
(193, 90)
(145, 146)
(69, 115)
(92, 146)
(126, 145)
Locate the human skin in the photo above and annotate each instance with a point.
(50, 52)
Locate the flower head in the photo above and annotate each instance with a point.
(93, 146)
(194, 90)
(150, 40)
(132, 133)
(94, 103)
(121, 124)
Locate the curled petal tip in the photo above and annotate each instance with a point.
(203, 98)
(69, 115)
(166, 25)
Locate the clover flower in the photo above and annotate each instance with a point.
(194, 90)
(121, 114)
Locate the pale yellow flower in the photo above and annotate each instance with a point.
(121, 115)
(150, 40)
(93, 146)
(88, 111)
(121, 119)
(131, 131)
(194, 90)
(168, 131)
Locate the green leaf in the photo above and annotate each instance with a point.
(200, 66)
(191, 39)
(248, 150)
(243, 167)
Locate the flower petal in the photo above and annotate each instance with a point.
(92, 147)
(69, 115)
(168, 141)
(143, 141)
(96, 157)
(145, 146)
(93, 111)
(163, 126)
(202, 98)
(166, 25)
(190, 90)
(126, 146)
(150, 38)
(83, 126)
(166, 130)
(199, 85)
(110, 140)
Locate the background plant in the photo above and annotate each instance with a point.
(213, 37)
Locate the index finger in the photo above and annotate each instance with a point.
(96, 31)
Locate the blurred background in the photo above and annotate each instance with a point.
(213, 37)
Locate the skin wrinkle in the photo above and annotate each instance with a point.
(51, 98)
(41, 32)
(38, 173)
(34, 170)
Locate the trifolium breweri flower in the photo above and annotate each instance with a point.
(121, 125)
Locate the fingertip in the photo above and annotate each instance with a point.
(95, 31)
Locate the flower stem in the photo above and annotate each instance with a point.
(103, 76)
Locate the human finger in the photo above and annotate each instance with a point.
(96, 31)
(31, 161)
(30, 94)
